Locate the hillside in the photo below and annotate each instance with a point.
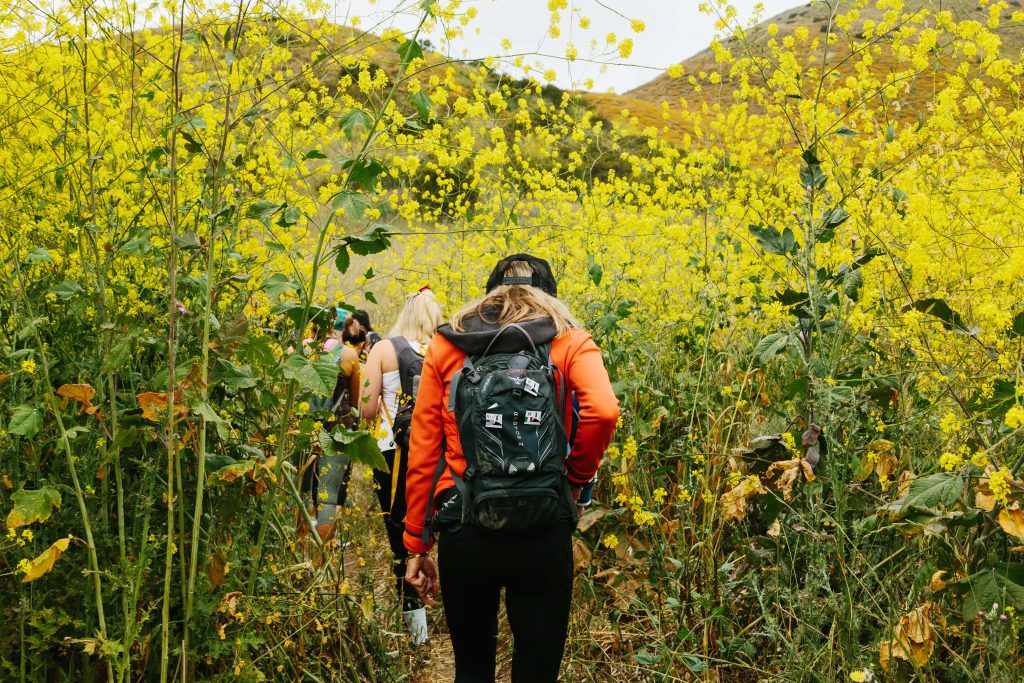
(692, 89)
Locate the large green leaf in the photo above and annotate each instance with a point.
(373, 242)
(32, 506)
(357, 446)
(770, 346)
(1001, 584)
(25, 421)
(942, 488)
(423, 105)
(951, 320)
(307, 375)
(353, 119)
(772, 241)
(364, 172)
(408, 51)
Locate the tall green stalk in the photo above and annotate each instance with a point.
(172, 269)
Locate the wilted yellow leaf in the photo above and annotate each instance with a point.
(82, 393)
(1011, 519)
(44, 562)
(154, 405)
(914, 637)
(789, 472)
(938, 581)
(983, 500)
(734, 501)
(32, 505)
(581, 554)
(905, 479)
(229, 603)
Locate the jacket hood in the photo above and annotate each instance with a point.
(477, 334)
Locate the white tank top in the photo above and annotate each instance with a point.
(391, 386)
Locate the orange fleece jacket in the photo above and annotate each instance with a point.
(574, 353)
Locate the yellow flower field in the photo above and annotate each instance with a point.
(804, 264)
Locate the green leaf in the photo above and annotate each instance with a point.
(309, 376)
(290, 216)
(423, 105)
(262, 210)
(25, 421)
(853, 280)
(408, 51)
(846, 132)
(770, 346)
(234, 376)
(1017, 328)
(890, 133)
(596, 272)
(942, 488)
(314, 154)
(206, 411)
(1001, 584)
(187, 240)
(32, 506)
(363, 172)
(37, 255)
(772, 241)
(342, 260)
(832, 219)
(357, 446)
(353, 203)
(67, 289)
(373, 242)
(951, 320)
(370, 297)
(354, 119)
(278, 284)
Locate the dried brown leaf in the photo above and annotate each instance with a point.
(1011, 519)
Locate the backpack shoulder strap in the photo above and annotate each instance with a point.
(407, 356)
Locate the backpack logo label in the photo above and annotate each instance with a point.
(532, 387)
(493, 420)
(533, 417)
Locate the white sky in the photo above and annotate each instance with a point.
(674, 31)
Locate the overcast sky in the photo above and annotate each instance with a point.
(674, 30)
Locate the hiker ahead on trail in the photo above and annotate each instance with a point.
(392, 374)
(488, 472)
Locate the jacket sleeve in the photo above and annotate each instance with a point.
(426, 445)
(599, 409)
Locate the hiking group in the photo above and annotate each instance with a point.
(493, 426)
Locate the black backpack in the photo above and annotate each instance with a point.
(410, 367)
(510, 413)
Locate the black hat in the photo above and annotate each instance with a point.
(542, 276)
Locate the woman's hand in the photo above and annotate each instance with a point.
(421, 574)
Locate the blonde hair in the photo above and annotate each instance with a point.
(419, 318)
(507, 304)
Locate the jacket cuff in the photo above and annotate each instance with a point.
(578, 479)
(413, 540)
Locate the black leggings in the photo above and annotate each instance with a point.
(394, 525)
(536, 572)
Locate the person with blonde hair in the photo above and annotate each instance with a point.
(391, 373)
(491, 473)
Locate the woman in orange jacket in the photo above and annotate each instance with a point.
(521, 544)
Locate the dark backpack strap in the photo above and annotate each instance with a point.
(510, 326)
(428, 522)
(408, 357)
(454, 387)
